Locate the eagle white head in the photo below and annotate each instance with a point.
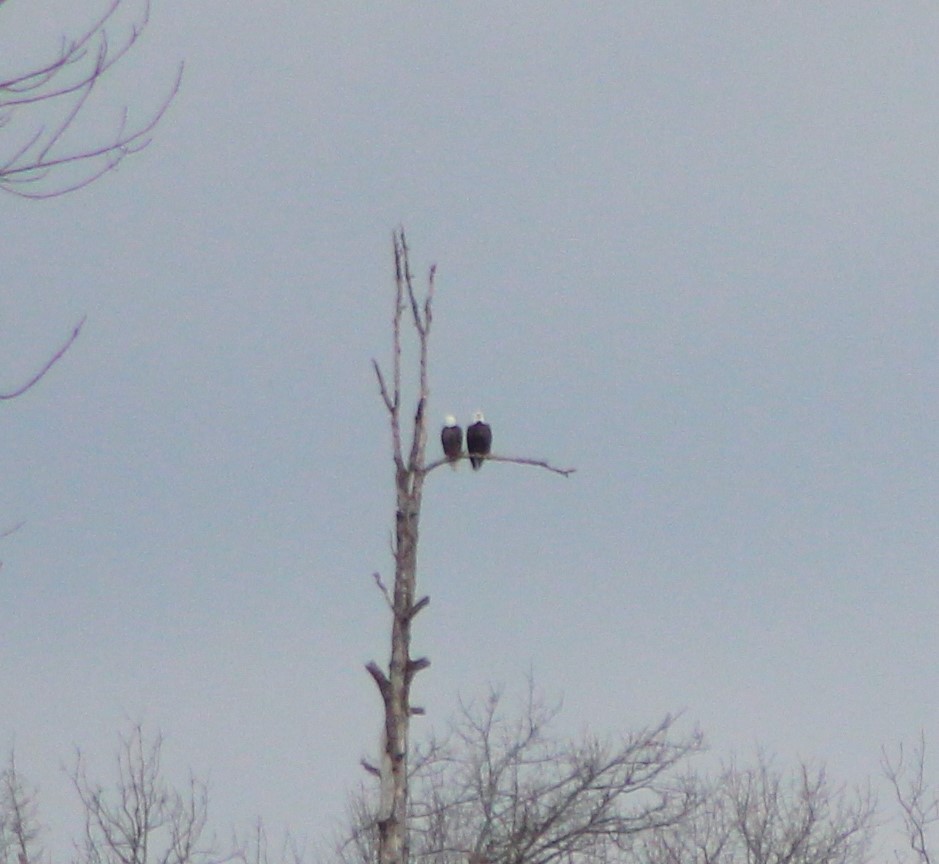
(449, 420)
(478, 417)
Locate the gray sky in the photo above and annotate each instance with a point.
(690, 248)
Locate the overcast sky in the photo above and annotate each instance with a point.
(689, 248)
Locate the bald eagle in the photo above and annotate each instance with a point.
(451, 437)
(478, 440)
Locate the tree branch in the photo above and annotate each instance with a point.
(418, 606)
(409, 285)
(70, 53)
(384, 685)
(415, 666)
(12, 530)
(14, 177)
(422, 325)
(399, 250)
(384, 590)
(73, 75)
(52, 361)
(384, 390)
(514, 460)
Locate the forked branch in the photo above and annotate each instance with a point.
(422, 325)
(65, 84)
(405, 297)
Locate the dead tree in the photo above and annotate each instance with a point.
(410, 471)
(395, 685)
(39, 107)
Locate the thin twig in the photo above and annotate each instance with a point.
(33, 163)
(13, 530)
(428, 300)
(400, 249)
(384, 590)
(409, 284)
(422, 325)
(55, 357)
(381, 384)
(70, 53)
(14, 178)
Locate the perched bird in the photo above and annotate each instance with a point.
(478, 440)
(451, 437)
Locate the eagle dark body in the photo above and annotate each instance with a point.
(451, 438)
(478, 441)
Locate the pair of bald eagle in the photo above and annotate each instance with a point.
(478, 440)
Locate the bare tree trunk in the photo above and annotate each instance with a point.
(395, 686)
(393, 845)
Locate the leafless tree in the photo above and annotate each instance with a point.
(760, 815)
(410, 471)
(142, 820)
(19, 823)
(917, 798)
(498, 790)
(39, 107)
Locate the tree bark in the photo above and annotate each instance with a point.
(395, 686)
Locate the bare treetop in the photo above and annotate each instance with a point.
(19, 823)
(760, 815)
(37, 159)
(917, 798)
(504, 789)
(143, 820)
